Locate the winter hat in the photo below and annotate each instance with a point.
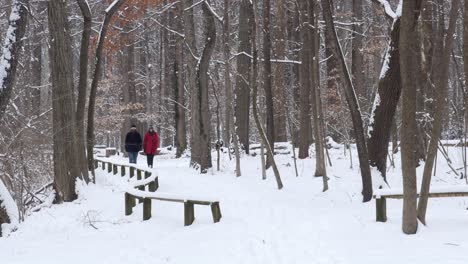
(151, 127)
(133, 126)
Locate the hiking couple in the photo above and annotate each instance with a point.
(133, 144)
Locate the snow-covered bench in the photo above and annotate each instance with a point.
(381, 196)
(189, 210)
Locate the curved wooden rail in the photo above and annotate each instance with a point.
(144, 190)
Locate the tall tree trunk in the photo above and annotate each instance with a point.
(270, 125)
(181, 132)
(11, 50)
(279, 75)
(231, 131)
(441, 89)
(254, 77)
(242, 90)
(204, 138)
(96, 76)
(82, 87)
(409, 127)
(36, 70)
(305, 77)
(66, 168)
(320, 169)
(189, 30)
(352, 103)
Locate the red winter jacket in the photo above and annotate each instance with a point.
(150, 143)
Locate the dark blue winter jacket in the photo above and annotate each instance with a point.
(133, 142)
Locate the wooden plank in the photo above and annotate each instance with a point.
(431, 195)
(129, 204)
(122, 170)
(146, 209)
(189, 213)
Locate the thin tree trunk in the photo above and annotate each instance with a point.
(231, 131)
(357, 53)
(82, 87)
(352, 103)
(181, 132)
(267, 82)
(320, 169)
(441, 96)
(256, 115)
(96, 76)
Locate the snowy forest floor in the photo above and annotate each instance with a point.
(260, 224)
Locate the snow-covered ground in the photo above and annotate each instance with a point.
(260, 224)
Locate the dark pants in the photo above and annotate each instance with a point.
(150, 158)
(132, 156)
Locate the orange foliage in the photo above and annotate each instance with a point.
(127, 16)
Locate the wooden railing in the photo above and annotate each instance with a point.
(143, 191)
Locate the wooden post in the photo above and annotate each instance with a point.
(146, 209)
(132, 172)
(109, 167)
(138, 174)
(129, 201)
(216, 212)
(122, 170)
(141, 188)
(103, 165)
(189, 213)
(147, 174)
(153, 186)
(114, 169)
(381, 209)
(96, 165)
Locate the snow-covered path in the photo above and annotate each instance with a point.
(299, 224)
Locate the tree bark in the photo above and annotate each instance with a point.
(305, 77)
(66, 168)
(82, 87)
(12, 45)
(441, 89)
(242, 90)
(320, 169)
(352, 103)
(230, 130)
(181, 132)
(202, 94)
(267, 81)
(357, 54)
(279, 75)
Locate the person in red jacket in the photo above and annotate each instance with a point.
(150, 145)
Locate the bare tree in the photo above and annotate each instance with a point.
(440, 111)
(96, 76)
(254, 76)
(352, 102)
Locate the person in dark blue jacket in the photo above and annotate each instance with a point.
(133, 144)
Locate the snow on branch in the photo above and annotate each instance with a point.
(387, 8)
(7, 202)
(220, 19)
